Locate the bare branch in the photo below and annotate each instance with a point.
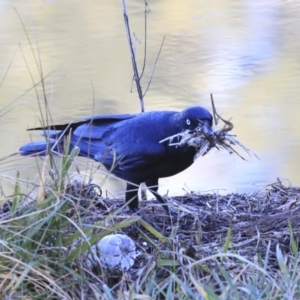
(154, 65)
(147, 10)
(135, 70)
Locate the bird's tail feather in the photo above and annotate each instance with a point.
(39, 148)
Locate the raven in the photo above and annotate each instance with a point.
(129, 145)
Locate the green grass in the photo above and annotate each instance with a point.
(44, 244)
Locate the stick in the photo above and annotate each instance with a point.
(135, 70)
(154, 66)
(145, 37)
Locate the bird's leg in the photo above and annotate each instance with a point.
(152, 184)
(131, 196)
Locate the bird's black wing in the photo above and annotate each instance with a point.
(111, 118)
(135, 144)
(141, 157)
(132, 158)
(95, 127)
(92, 127)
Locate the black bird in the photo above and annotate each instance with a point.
(129, 145)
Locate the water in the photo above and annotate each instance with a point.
(244, 52)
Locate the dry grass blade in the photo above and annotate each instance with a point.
(220, 139)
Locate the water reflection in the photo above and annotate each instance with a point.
(244, 52)
(244, 49)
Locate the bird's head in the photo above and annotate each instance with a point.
(192, 117)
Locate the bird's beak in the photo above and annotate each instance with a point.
(207, 131)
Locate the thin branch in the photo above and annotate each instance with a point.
(11, 61)
(217, 117)
(134, 49)
(132, 79)
(135, 70)
(145, 38)
(154, 66)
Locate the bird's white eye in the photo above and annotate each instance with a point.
(188, 122)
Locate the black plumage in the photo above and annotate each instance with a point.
(129, 145)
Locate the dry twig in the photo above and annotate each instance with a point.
(221, 138)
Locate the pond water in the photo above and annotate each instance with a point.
(246, 53)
